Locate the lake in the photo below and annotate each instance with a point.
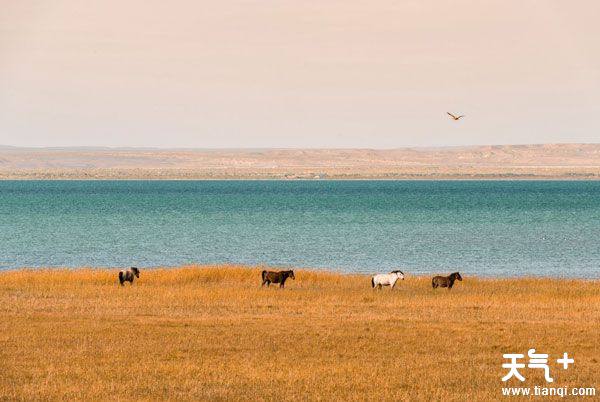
(486, 228)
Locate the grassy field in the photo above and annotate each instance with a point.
(213, 333)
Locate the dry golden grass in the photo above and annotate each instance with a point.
(212, 333)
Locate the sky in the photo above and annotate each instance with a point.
(288, 74)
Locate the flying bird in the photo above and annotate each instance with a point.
(455, 117)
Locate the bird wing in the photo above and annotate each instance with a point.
(453, 116)
(462, 115)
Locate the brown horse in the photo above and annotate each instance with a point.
(128, 275)
(445, 281)
(280, 277)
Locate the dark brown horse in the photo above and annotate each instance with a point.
(445, 281)
(128, 275)
(280, 277)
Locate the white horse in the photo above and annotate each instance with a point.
(390, 279)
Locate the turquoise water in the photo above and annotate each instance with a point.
(489, 228)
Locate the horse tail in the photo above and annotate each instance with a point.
(264, 275)
(433, 283)
(121, 280)
(372, 282)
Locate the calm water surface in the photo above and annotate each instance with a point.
(489, 228)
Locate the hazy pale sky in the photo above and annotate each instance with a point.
(266, 73)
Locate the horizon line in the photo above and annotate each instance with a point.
(158, 148)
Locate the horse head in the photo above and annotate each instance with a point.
(135, 271)
(399, 274)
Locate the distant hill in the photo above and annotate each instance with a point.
(494, 161)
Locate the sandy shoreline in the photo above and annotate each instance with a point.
(11, 176)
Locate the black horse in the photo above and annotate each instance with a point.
(445, 281)
(128, 275)
(280, 277)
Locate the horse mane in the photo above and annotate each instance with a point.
(395, 272)
(454, 276)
